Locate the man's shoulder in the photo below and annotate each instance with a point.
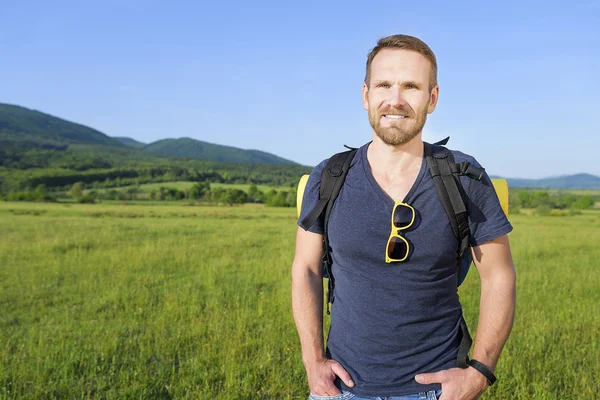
(320, 167)
(460, 157)
(473, 187)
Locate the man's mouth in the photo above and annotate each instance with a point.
(394, 116)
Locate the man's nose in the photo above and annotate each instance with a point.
(396, 98)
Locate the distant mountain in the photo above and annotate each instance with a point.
(24, 126)
(191, 148)
(577, 181)
(29, 135)
(131, 142)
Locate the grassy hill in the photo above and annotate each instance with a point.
(29, 139)
(131, 142)
(19, 124)
(191, 148)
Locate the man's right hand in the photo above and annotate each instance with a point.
(321, 378)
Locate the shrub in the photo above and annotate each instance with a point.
(87, 199)
(543, 209)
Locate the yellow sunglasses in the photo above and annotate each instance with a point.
(403, 216)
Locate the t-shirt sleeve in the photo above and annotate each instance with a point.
(487, 220)
(311, 198)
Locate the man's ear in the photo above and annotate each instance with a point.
(433, 99)
(365, 97)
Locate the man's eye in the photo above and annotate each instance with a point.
(410, 86)
(384, 85)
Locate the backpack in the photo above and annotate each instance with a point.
(445, 173)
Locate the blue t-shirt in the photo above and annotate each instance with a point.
(390, 322)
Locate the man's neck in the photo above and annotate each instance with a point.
(394, 161)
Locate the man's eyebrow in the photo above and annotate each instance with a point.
(413, 83)
(387, 81)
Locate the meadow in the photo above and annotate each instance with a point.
(171, 301)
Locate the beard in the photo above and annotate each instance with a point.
(401, 131)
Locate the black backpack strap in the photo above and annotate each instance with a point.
(464, 168)
(332, 180)
(462, 360)
(467, 169)
(446, 178)
(445, 175)
(316, 212)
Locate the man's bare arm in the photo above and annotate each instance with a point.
(307, 294)
(307, 306)
(498, 298)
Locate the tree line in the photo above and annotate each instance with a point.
(543, 202)
(62, 179)
(200, 192)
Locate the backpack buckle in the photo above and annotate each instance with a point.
(440, 154)
(466, 168)
(336, 170)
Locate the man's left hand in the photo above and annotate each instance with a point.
(457, 383)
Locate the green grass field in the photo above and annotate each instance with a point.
(108, 301)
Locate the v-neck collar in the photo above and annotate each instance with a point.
(380, 192)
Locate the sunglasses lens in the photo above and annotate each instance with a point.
(403, 216)
(397, 248)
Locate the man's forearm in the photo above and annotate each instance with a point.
(496, 315)
(307, 306)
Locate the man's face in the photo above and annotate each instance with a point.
(398, 97)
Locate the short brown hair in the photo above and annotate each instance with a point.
(405, 42)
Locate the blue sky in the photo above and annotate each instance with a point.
(519, 80)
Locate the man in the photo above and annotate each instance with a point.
(395, 327)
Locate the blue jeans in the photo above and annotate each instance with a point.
(431, 395)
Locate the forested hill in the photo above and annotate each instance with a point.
(36, 129)
(131, 142)
(22, 130)
(191, 148)
(39, 149)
